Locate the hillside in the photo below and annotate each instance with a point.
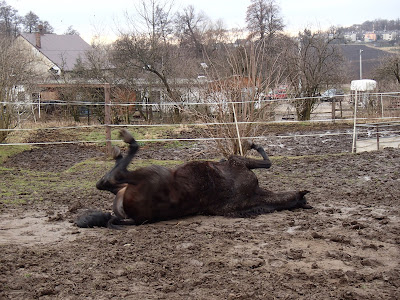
(370, 60)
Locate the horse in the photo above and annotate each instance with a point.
(214, 188)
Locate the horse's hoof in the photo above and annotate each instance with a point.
(126, 136)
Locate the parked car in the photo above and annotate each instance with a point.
(278, 93)
(331, 94)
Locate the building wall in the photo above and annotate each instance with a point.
(389, 36)
(370, 37)
(41, 63)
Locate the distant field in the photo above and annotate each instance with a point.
(370, 60)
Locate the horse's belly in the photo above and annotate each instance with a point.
(144, 205)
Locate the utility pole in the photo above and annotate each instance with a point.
(361, 63)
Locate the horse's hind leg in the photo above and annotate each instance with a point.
(113, 181)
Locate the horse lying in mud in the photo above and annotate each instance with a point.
(155, 193)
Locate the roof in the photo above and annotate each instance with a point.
(62, 50)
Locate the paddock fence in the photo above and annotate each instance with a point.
(377, 119)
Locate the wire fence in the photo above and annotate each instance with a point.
(379, 107)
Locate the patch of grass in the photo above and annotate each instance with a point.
(304, 123)
(18, 201)
(90, 164)
(19, 136)
(175, 144)
(94, 165)
(100, 134)
(148, 162)
(8, 151)
(3, 169)
(22, 186)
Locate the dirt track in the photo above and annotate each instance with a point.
(347, 247)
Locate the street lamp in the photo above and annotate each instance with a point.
(361, 64)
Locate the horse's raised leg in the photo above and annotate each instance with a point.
(252, 163)
(113, 181)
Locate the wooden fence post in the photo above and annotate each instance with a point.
(107, 117)
(354, 147)
(377, 136)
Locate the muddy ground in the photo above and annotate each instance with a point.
(346, 247)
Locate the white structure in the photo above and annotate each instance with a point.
(389, 36)
(363, 85)
(360, 86)
(352, 37)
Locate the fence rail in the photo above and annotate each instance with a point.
(379, 107)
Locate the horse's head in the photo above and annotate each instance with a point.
(302, 201)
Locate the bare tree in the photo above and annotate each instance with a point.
(240, 81)
(97, 67)
(190, 28)
(16, 75)
(10, 21)
(47, 28)
(30, 22)
(150, 49)
(155, 19)
(313, 60)
(263, 18)
(71, 31)
(389, 69)
(143, 54)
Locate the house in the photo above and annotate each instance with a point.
(56, 54)
(389, 36)
(351, 36)
(370, 37)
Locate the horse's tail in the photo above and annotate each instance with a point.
(96, 218)
(93, 218)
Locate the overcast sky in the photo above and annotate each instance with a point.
(91, 17)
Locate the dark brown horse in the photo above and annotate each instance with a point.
(155, 193)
